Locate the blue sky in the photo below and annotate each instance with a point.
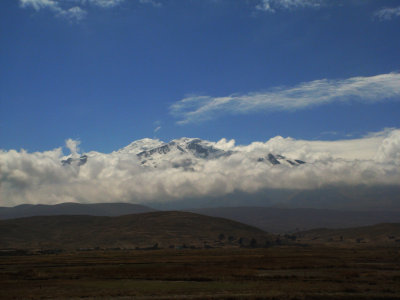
(111, 72)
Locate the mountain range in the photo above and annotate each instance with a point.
(182, 153)
(171, 229)
(290, 220)
(269, 219)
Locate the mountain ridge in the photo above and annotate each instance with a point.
(289, 220)
(270, 219)
(163, 229)
(71, 208)
(183, 152)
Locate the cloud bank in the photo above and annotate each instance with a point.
(307, 94)
(40, 177)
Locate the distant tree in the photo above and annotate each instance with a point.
(221, 236)
(253, 243)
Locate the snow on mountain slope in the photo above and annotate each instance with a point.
(141, 145)
(185, 153)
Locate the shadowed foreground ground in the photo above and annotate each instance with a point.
(290, 272)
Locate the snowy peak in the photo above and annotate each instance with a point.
(199, 148)
(181, 153)
(77, 161)
(280, 159)
(163, 149)
(185, 153)
(141, 145)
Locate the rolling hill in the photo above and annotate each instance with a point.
(164, 229)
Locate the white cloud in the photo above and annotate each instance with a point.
(40, 177)
(273, 5)
(106, 3)
(74, 14)
(151, 2)
(72, 10)
(62, 9)
(157, 129)
(311, 151)
(386, 14)
(73, 146)
(363, 89)
(389, 149)
(39, 4)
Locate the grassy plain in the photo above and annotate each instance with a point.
(279, 272)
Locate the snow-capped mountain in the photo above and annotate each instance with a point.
(182, 152)
(280, 159)
(79, 161)
(141, 145)
(185, 153)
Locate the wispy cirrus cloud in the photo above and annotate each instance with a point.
(105, 3)
(75, 10)
(371, 89)
(273, 5)
(73, 14)
(39, 4)
(386, 14)
(151, 2)
(67, 10)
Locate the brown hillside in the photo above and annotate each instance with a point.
(166, 229)
(377, 235)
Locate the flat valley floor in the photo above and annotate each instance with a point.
(285, 272)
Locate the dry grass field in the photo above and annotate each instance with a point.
(280, 272)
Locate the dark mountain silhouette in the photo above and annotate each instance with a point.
(350, 198)
(97, 209)
(270, 219)
(163, 229)
(283, 220)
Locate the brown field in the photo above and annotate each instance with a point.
(280, 272)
